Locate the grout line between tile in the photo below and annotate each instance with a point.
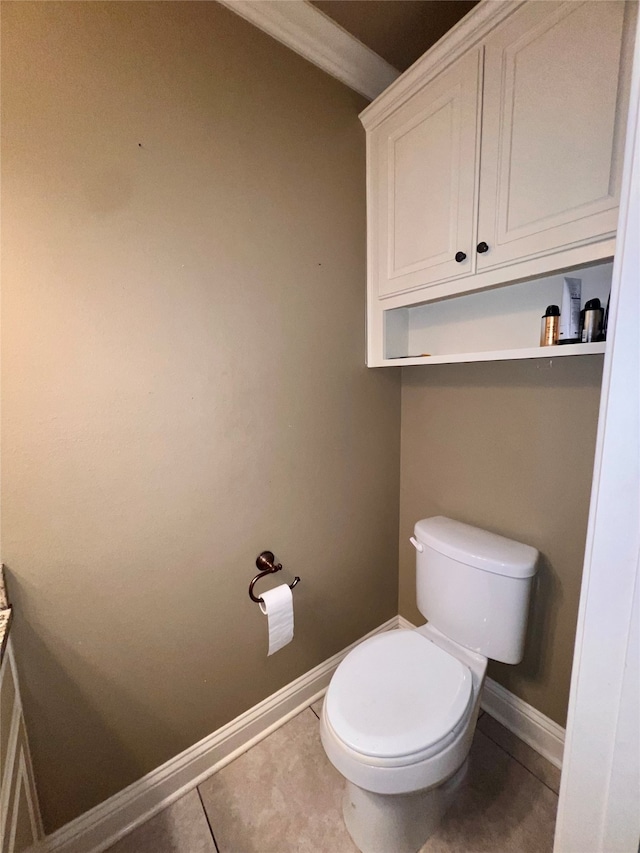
(312, 709)
(528, 769)
(206, 816)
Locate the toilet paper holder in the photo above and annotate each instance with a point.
(266, 562)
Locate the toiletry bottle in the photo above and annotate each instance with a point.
(569, 327)
(605, 322)
(592, 321)
(550, 326)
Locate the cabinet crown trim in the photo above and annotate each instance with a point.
(466, 34)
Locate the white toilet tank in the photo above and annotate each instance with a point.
(474, 586)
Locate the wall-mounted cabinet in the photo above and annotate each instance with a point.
(495, 159)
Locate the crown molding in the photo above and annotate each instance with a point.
(312, 34)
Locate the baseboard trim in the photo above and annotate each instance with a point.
(102, 826)
(527, 723)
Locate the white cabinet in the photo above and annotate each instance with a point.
(423, 163)
(551, 131)
(497, 157)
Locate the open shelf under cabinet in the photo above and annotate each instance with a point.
(499, 324)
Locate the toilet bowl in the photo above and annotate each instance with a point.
(397, 722)
(400, 712)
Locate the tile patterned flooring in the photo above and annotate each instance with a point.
(283, 796)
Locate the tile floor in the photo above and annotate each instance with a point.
(283, 796)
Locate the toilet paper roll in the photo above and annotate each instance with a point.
(277, 605)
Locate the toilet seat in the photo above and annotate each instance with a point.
(396, 697)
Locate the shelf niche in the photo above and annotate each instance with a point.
(490, 325)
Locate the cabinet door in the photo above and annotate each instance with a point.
(552, 130)
(422, 183)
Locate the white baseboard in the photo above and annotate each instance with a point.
(541, 733)
(102, 826)
(532, 727)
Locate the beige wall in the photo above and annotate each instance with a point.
(184, 384)
(508, 446)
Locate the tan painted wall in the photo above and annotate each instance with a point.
(184, 380)
(508, 446)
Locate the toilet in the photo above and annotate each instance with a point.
(401, 709)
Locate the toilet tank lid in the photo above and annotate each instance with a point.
(476, 547)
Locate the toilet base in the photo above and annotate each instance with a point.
(397, 823)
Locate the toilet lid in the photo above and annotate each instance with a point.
(397, 694)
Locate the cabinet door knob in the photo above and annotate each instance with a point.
(482, 248)
(460, 257)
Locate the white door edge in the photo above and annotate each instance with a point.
(599, 806)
